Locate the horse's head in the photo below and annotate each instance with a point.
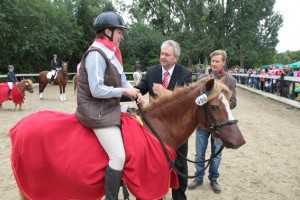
(26, 85)
(64, 66)
(214, 99)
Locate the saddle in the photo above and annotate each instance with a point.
(49, 75)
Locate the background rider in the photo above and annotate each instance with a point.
(11, 79)
(54, 67)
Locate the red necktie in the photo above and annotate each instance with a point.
(165, 82)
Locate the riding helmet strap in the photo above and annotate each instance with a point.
(112, 34)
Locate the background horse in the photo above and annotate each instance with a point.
(137, 77)
(75, 80)
(61, 80)
(17, 93)
(70, 164)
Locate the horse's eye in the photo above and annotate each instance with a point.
(215, 107)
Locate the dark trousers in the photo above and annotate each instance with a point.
(181, 165)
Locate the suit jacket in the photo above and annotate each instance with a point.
(180, 77)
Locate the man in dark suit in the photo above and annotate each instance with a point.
(164, 77)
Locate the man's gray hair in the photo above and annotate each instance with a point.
(173, 44)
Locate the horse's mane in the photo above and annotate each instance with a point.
(178, 92)
(219, 86)
(27, 80)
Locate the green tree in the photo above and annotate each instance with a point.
(141, 43)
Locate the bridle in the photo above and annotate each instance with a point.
(214, 130)
(64, 68)
(214, 125)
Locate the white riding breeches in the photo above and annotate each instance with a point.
(10, 85)
(53, 72)
(111, 140)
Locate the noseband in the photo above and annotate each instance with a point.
(214, 125)
(64, 68)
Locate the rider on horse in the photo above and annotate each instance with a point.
(11, 78)
(54, 67)
(101, 84)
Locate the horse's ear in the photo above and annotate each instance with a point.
(209, 84)
(223, 79)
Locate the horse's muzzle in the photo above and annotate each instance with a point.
(231, 136)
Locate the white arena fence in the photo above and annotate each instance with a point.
(244, 80)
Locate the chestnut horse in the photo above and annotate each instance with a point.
(55, 157)
(61, 80)
(75, 80)
(17, 93)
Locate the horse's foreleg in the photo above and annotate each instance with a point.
(61, 93)
(64, 94)
(41, 90)
(41, 96)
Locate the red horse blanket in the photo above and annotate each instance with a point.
(15, 94)
(54, 157)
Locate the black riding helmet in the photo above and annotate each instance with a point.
(110, 20)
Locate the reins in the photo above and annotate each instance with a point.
(146, 120)
(214, 127)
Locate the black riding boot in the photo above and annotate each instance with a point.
(113, 180)
(52, 79)
(9, 91)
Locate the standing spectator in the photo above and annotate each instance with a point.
(286, 85)
(54, 67)
(11, 79)
(255, 79)
(137, 66)
(101, 84)
(262, 79)
(249, 79)
(163, 78)
(218, 61)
